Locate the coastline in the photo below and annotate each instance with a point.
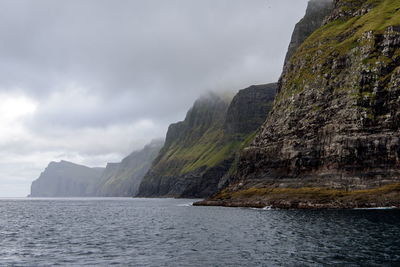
(307, 198)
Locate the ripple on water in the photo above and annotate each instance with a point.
(170, 232)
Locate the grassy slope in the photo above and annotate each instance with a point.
(210, 149)
(387, 195)
(200, 148)
(329, 42)
(338, 38)
(213, 147)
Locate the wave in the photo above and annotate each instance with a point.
(185, 205)
(378, 208)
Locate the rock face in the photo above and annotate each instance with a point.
(200, 152)
(249, 108)
(65, 179)
(123, 179)
(335, 121)
(317, 11)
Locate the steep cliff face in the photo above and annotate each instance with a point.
(192, 147)
(249, 108)
(317, 11)
(200, 151)
(123, 179)
(65, 179)
(335, 121)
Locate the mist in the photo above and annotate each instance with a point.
(91, 81)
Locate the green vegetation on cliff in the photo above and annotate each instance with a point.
(213, 147)
(201, 151)
(199, 140)
(353, 25)
(334, 129)
(309, 197)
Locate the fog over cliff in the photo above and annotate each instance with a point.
(91, 81)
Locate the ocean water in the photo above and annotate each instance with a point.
(171, 232)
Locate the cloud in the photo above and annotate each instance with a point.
(92, 80)
(13, 110)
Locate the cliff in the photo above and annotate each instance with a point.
(332, 137)
(200, 152)
(123, 179)
(65, 179)
(317, 11)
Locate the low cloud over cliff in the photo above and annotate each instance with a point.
(89, 81)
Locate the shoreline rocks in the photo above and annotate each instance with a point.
(307, 198)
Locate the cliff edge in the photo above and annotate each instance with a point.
(65, 179)
(332, 138)
(200, 152)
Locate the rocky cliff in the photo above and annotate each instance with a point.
(249, 108)
(65, 179)
(317, 11)
(334, 126)
(200, 152)
(123, 179)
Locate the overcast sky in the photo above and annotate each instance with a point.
(90, 81)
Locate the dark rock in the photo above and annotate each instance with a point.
(200, 152)
(335, 122)
(172, 174)
(248, 108)
(317, 11)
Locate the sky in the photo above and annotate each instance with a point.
(91, 81)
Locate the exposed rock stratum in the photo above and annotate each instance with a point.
(335, 121)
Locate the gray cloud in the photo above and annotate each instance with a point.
(107, 76)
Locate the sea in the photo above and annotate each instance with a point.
(172, 232)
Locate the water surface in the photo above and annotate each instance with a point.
(169, 232)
